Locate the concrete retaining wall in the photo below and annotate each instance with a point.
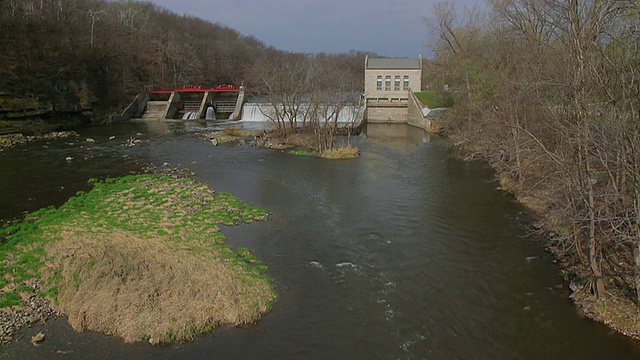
(206, 99)
(386, 115)
(239, 102)
(172, 106)
(134, 110)
(411, 112)
(416, 116)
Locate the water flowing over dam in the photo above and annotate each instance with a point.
(263, 111)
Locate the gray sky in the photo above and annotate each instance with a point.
(386, 27)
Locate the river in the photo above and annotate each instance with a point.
(403, 253)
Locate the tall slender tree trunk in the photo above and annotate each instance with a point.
(633, 168)
(594, 259)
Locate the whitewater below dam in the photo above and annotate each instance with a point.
(405, 252)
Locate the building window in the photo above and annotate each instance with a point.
(387, 83)
(396, 83)
(379, 82)
(406, 82)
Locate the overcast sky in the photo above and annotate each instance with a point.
(386, 27)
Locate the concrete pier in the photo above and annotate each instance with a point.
(187, 101)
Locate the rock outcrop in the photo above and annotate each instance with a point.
(69, 104)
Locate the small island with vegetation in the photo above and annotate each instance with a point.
(140, 257)
(296, 142)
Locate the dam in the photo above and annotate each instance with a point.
(223, 102)
(229, 103)
(389, 97)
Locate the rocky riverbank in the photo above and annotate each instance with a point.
(34, 310)
(10, 140)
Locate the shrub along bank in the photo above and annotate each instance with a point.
(547, 92)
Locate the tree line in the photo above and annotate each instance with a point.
(549, 92)
(120, 47)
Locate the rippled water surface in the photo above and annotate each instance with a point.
(402, 253)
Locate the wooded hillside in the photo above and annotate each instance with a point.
(107, 51)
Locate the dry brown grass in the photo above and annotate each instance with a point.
(342, 152)
(616, 312)
(301, 140)
(143, 258)
(236, 132)
(138, 288)
(289, 141)
(230, 135)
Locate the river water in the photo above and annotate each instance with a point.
(403, 253)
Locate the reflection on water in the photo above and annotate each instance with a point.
(157, 128)
(402, 253)
(393, 134)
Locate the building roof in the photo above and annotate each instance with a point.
(393, 63)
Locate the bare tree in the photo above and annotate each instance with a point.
(287, 83)
(558, 118)
(308, 95)
(94, 15)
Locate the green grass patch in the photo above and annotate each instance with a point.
(10, 298)
(435, 99)
(302, 152)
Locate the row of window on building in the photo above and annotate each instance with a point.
(396, 83)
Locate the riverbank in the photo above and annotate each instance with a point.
(33, 309)
(10, 140)
(128, 259)
(614, 309)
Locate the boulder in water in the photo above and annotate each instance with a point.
(37, 338)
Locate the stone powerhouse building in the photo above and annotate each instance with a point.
(389, 84)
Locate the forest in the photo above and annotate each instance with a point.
(548, 91)
(117, 49)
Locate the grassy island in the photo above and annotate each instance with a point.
(140, 257)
